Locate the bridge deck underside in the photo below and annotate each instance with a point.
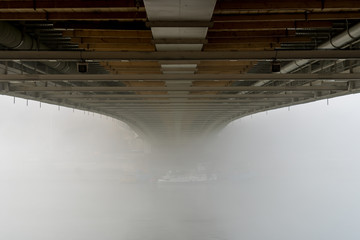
(179, 67)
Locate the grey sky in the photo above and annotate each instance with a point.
(282, 175)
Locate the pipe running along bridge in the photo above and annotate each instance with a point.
(177, 69)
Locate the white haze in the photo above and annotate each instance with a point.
(277, 176)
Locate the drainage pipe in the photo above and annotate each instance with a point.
(339, 41)
(13, 38)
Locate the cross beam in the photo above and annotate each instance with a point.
(338, 86)
(179, 77)
(186, 55)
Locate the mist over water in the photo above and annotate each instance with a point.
(282, 175)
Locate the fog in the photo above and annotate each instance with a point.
(285, 174)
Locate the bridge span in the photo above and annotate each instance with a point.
(178, 69)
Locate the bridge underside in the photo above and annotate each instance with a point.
(179, 69)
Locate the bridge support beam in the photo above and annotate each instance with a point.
(176, 56)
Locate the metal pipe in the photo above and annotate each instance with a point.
(337, 42)
(13, 38)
